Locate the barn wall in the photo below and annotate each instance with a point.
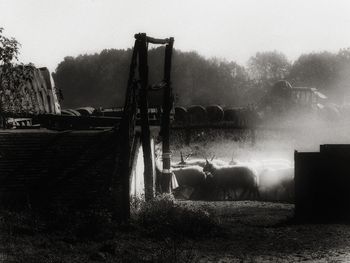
(322, 184)
(69, 168)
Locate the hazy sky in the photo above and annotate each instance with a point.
(49, 30)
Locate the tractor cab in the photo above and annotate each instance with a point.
(308, 97)
(283, 102)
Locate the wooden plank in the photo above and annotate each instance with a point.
(145, 129)
(120, 182)
(165, 124)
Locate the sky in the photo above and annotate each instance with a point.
(50, 30)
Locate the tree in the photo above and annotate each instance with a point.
(318, 70)
(265, 68)
(13, 76)
(342, 84)
(99, 80)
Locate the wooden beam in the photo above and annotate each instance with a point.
(165, 124)
(145, 129)
(120, 181)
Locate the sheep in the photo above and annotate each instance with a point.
(191, 177)
(196, 162)
(192, 182)
(233, 177)
(199, 162)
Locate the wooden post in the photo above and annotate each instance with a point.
(145, 130)
(167, 106)
(120, 181)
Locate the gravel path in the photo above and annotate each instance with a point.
(265, 232)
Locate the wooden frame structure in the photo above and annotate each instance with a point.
(136, 97)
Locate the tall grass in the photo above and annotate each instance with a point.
(163, 217)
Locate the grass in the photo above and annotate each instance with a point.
(253, 232)
(159, 231)
(164, 218)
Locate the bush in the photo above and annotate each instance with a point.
(162, 217)
(135, 203)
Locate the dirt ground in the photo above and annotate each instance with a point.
(265, 232)
(255, 232)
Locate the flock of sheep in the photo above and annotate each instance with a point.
(271, 180)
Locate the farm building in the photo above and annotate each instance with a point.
(322, 184)
(92, 161)
(70, 168)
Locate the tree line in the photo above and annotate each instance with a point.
(100, 80)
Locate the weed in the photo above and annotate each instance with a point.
(163, 217)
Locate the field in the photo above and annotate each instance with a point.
(265, 232)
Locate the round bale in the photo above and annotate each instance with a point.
(70, 112)
(197, 114)
(85, 111)
(232, 115)
(215, 113)
(180, 115)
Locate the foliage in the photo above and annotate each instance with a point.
(342, 84)
(12, 76)
(8, 49)
(268, 67)
(162, 217)
(100, 79)
(329, 72)
(94, 80)
(315, 69)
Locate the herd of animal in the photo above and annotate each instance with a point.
(270, 180)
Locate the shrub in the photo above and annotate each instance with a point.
(136, 203)
(163, 217)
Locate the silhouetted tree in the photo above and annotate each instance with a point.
(94, 80)
(319, 70)
(342, 83)
(265, 68)
(100, 79)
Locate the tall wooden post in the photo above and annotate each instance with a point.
(120, 181)
(167, 106)
(145, 130)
